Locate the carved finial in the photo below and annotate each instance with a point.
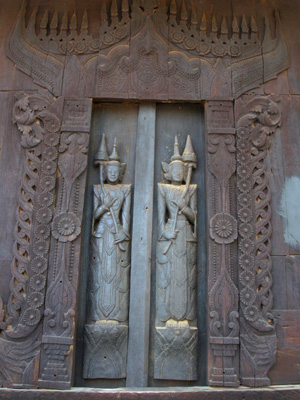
(245, 28)
(32, 21)
(254, 27)
(176, 155)
(54, 21)
(85, 22)
(184, 15)
(194, 19)
(114, 155)
(73, 22)
(103, 12)
(203, 23)
(101, 154)
(235, 25)
(214, 26)
(45, 20)
(125, 8)
(64, 23)
(189, 155)
(268, 36)
(173, 7)
(224, 28)
(114, 9)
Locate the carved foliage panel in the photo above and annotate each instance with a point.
(258, 118)
(222, 290)
(155, 50)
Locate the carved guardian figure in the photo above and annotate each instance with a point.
(106, 331)
(176, 330)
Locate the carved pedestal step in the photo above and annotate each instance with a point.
(55, 369)
(105, 350)
(224, 349)
(175, 356)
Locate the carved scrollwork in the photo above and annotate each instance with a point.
(36, 117)
(161, 47)
(260, 119)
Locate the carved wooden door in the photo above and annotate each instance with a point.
(151, 332)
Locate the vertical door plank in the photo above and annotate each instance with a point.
(139, 317)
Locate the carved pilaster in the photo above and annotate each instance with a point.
(38, 118)
(58, 327)
(258, 118)
(222, 291)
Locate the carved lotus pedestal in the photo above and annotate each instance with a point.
(175, 351)
(105, 350)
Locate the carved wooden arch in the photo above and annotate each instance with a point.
(159, 56)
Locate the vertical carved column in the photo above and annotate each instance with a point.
(258, 119)
(222, 291)
(58, 328)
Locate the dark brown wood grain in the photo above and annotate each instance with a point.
(56, 58)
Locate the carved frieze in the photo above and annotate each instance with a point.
(258, 119)
(176, 318)
(152, 50)
(222, 287)
(106, 329)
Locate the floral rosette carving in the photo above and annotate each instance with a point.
(223, 228)
(66, 227)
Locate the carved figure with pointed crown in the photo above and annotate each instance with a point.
(107, 315)
(177, 238)
(176, 331)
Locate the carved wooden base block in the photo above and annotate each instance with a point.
(105, 352)
(175, 352)
(224, 349)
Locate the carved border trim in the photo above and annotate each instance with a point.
(223, 325)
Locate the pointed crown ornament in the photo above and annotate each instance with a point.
(188, 158)
(102, 155)
(114, 155)
(103, 159)
(176, 156)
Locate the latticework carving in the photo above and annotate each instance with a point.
(37, 123)
(258, 344)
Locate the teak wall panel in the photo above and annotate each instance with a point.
(283, 155)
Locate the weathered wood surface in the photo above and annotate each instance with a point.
(222, 300)
(142, 231)
(197, 393)
(79, 77)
